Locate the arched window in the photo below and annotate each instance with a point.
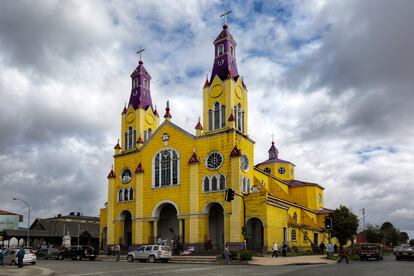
(149, 132)
(239, 117)
(206, 184)
(130, 138)
(217, 117)
(145, 135)
(245, 185)
(248, 185)
(222, 182)
(125, 194)
(146, 84)
(232, 51)
(131, 194)
(295, 216)
(267, 170)
(166, 168)
(220, 49)
(120, 195)
(293, 235)
(214, 183)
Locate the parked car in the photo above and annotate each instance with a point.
(78, 253)
(10, 257)
(152, 253)
(370, 250)
(404, 252)
(48, 253)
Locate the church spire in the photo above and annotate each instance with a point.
(225, 56)
(273, 151)
(140, 91)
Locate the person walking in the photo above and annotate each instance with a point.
(344, 252)
(275, 250)
(322, 248)
(1, 256)
(20, 256)
(226, 255)
(284, 249)
(118, 252)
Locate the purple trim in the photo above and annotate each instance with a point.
(140, 95)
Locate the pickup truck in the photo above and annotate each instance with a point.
(78, 253)
(370, 250)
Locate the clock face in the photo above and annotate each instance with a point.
(216, 91)
(130, 117)
(149, 119)
(239, 92)
(126, 175)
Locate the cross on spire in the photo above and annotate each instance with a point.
(140, 53)
(225, 16)
(273, 137)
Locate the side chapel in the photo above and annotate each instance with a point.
(169, 183)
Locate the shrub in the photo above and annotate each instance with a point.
(246, 256)
(234, 254)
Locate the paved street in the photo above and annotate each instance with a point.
(84, 268)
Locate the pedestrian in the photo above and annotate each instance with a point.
(226, 255)
(335, 248)
(284, 249)
(322, 248)
(159, 241)
(20, 256)
(275, 250)
(118, 252)
(1, 256)
(344, 252)
(329, 250)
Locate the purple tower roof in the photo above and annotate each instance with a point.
(225, 56)
(140, 91)
(274, 157)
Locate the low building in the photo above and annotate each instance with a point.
(51, 231)
(8, 220)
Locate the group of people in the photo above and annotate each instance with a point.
(175, 244)
(114, 251)
(275, 249)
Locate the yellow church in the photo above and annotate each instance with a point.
(169, 183)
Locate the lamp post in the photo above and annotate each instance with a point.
(28, 220)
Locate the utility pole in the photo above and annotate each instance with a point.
(28, 219)
(363, 219)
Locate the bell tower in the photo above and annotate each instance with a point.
(225, 94)
(139, 118)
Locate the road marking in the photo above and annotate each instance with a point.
(124, 270)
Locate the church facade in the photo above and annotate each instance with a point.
(168, 183)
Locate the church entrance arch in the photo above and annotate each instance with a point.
(168, 222)
(254, 234)
(215, 225)
(126, 239)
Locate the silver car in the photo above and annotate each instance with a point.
(152, 253)
(10, 257)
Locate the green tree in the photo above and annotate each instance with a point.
(373, 233)
(344, 224)
(390, 234)
(403, 237)
(412, 242)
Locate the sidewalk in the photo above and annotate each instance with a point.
(29, 270)
(297, 260)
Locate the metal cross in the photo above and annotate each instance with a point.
(273, 137)
(140, 52)
(225, 16)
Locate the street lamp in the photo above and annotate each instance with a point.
(28, 220)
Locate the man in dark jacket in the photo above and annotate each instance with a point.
(20, 256)
(344, 252)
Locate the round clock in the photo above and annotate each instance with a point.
(149, 119)
(130, 117)
(239, 92)
(216, 91)
(126, 175)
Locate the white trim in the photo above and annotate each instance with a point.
(207, 207)
(119, 215)
(211, 152)
(210, 187)
(158, 207)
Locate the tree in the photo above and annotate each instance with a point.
(412, 242)
(373, 233)
(390, 234)
(344, 224)
(403, 237)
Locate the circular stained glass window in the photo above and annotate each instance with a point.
(126, 175)
(244, 163)
(281, 170)
(214, 160)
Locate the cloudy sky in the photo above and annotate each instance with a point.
(333, 80)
